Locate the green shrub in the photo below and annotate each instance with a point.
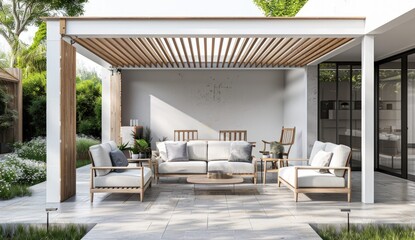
(34, 149)
(37, 111)
(88, 107)
(71, 231)
(82, 146)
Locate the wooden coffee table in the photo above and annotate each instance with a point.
(214, 181)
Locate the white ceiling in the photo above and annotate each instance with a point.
(392, 42)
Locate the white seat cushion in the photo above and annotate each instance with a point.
(318, 146)
(339, 159)
(311, 178)
(128, 178)
(182, 167)
(197, 150)
(231, 167)
(219, 150)
(101, 158)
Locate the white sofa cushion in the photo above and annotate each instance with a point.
(310, 178)
(182, 167)
(219, 150)
(177, 151)
(231, 167)
(101, 158)
(128, 178)
(161, 147)
(113, 145)
(322, 159)
(197, 150)
(339, 159)
(318, 146)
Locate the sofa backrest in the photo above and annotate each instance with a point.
(101, 157)
(340, 158)
(197, 150)
(219, 150)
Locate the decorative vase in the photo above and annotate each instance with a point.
(135, 156)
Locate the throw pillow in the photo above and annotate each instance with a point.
(322, 159)
(118, 159)
(177, 151)
(241, 152)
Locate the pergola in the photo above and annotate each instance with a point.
(187, 43)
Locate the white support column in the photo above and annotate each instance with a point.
(53, 106)
(106, 107)
(368, 119)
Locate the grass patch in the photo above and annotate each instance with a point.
(15, 190)
(82, 162)
(366, 231)
(29, 232)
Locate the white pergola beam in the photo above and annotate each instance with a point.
(368, 119)
(223, 27)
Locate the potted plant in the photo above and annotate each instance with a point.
(276, 150)
(125, 148)
(140, 149)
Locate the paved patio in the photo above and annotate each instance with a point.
(174, 210)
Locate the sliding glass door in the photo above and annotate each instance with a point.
(411, 116)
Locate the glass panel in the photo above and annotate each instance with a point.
(343, 104)
(356, 117)
(327, 101)
(390, 117)
(411, 115)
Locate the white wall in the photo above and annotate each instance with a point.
(205, 100)
(295, 109)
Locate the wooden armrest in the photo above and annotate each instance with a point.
(110, 168)
(321, 168)
(266, 142)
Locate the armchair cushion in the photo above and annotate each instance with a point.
(316, 148)
(118, 159)
(339, 159)
(311, 178)
(100, 158)
(177, 151)
(322, 159)
(128, 178)
(240, 152)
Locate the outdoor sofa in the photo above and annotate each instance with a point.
(325, 171)
(204, 156)
(108, 176)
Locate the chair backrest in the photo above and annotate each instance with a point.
(185, 135)
(233, 135)
(287, 139)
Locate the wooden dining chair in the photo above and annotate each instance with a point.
(286, 140)
(233, 135)
(186, 135)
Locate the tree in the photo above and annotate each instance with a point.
(17, 15)
(280, 8)
(7, 115)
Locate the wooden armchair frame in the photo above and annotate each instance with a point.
(233, 135)
(186, 135)
(140, 190)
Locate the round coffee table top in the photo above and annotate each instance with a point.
(203, 179)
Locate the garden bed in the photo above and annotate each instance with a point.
(38, 231)
(365, 231)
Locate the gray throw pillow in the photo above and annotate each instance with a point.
(241, 152)
(118, 159)
(177, 151)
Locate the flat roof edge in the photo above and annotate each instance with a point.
(201, 18)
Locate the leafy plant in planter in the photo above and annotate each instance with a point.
(125, 148)
(276, 149)
(140, 149)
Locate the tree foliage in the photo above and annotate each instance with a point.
(280, 8)
(88, 107)
(7, 114)
(17, 15)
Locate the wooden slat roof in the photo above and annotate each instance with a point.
(188, 52)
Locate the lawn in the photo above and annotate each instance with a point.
(367, 231)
